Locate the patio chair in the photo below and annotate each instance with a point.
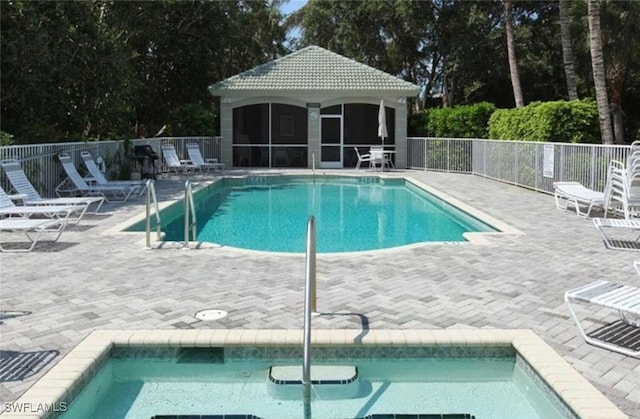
(98, 177)
(78, 184)
(362, 158)
(60, 212)
(623, 335)
(574, 193)
(174, 163)
(204, 164)
(23, 186)
(630, 241)
(32, 228)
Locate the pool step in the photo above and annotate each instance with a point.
(320, 374)
(331, 382)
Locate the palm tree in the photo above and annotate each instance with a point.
(597, 63)
(513, 62)
(567, 50)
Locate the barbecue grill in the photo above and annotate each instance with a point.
(146, 161)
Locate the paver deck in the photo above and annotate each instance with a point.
(92, 279)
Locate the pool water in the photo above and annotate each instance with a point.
(145, 387)
(352, 214)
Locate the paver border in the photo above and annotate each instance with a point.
(63, 381)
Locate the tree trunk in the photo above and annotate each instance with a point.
(513, 62)
(567, 50)
(597, 63)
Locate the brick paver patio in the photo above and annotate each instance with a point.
(91, 279)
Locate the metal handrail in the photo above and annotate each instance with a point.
(151, 198)
(309, 304)
(189, 210)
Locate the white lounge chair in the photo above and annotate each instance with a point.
(204, 164)
(23, 186)
(574, 193)
(9, 208)
(362, 158)
(100, 179)
(174, 163)
(116, 193)
(30, 226)
(629, 237)
(622, 336)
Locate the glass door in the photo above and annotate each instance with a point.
(331, 141)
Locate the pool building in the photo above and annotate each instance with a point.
(312, 102)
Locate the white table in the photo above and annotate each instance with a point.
(378, 154)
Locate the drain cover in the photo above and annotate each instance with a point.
(206, 315)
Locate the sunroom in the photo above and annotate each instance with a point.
(310, 107)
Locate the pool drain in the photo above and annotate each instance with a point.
(206, 315)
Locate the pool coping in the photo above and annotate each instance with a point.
(61, 383)
(472, 238)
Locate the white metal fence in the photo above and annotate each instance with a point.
(520, 163)
(41, 165)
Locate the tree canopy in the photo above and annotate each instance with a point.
(108, 69)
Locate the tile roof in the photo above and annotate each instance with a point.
(313, 68)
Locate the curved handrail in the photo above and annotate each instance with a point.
(152, 199)
(309, 304)
(189, 210)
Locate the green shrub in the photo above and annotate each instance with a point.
(467, 121)
(559, 121)
(5, 138)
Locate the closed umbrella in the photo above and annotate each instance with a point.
(382, 122)
(382, 130)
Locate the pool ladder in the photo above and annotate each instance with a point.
(190, 225)
(152, 200)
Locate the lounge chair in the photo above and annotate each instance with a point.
(196, 158)
(23, 186)
(100, 179)
(576, 194)
(30, 226)
(362, 158)
(174, 163)
(60, 212)
(629, 237)
(623, 335)
(117, 193)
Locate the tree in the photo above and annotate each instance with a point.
(567, 50)
(599, 78)
(511, 49)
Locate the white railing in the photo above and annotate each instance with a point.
(40, 161)
(520, 163)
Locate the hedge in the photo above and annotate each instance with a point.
(559, 121)
(466, 121)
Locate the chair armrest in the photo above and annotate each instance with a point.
(90, 180)
(185, 161)
(211, 160)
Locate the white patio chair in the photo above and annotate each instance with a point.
(627, 233)
(32, 228)
(60, 212)
(362, 158)
(78, 184)
(204, 164)
(23, 186)
(98, 177)
(174, 163)
(622, 336)
(574, 193)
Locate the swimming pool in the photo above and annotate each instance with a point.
(269, 213)
(108, 370)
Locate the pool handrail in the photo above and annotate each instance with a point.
(309, 304)
(152, 198)
(189, 209)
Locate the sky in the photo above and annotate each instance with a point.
(290, 7)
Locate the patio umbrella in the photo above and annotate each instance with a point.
(382, 122)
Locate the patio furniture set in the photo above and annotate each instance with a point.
(621, 196)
